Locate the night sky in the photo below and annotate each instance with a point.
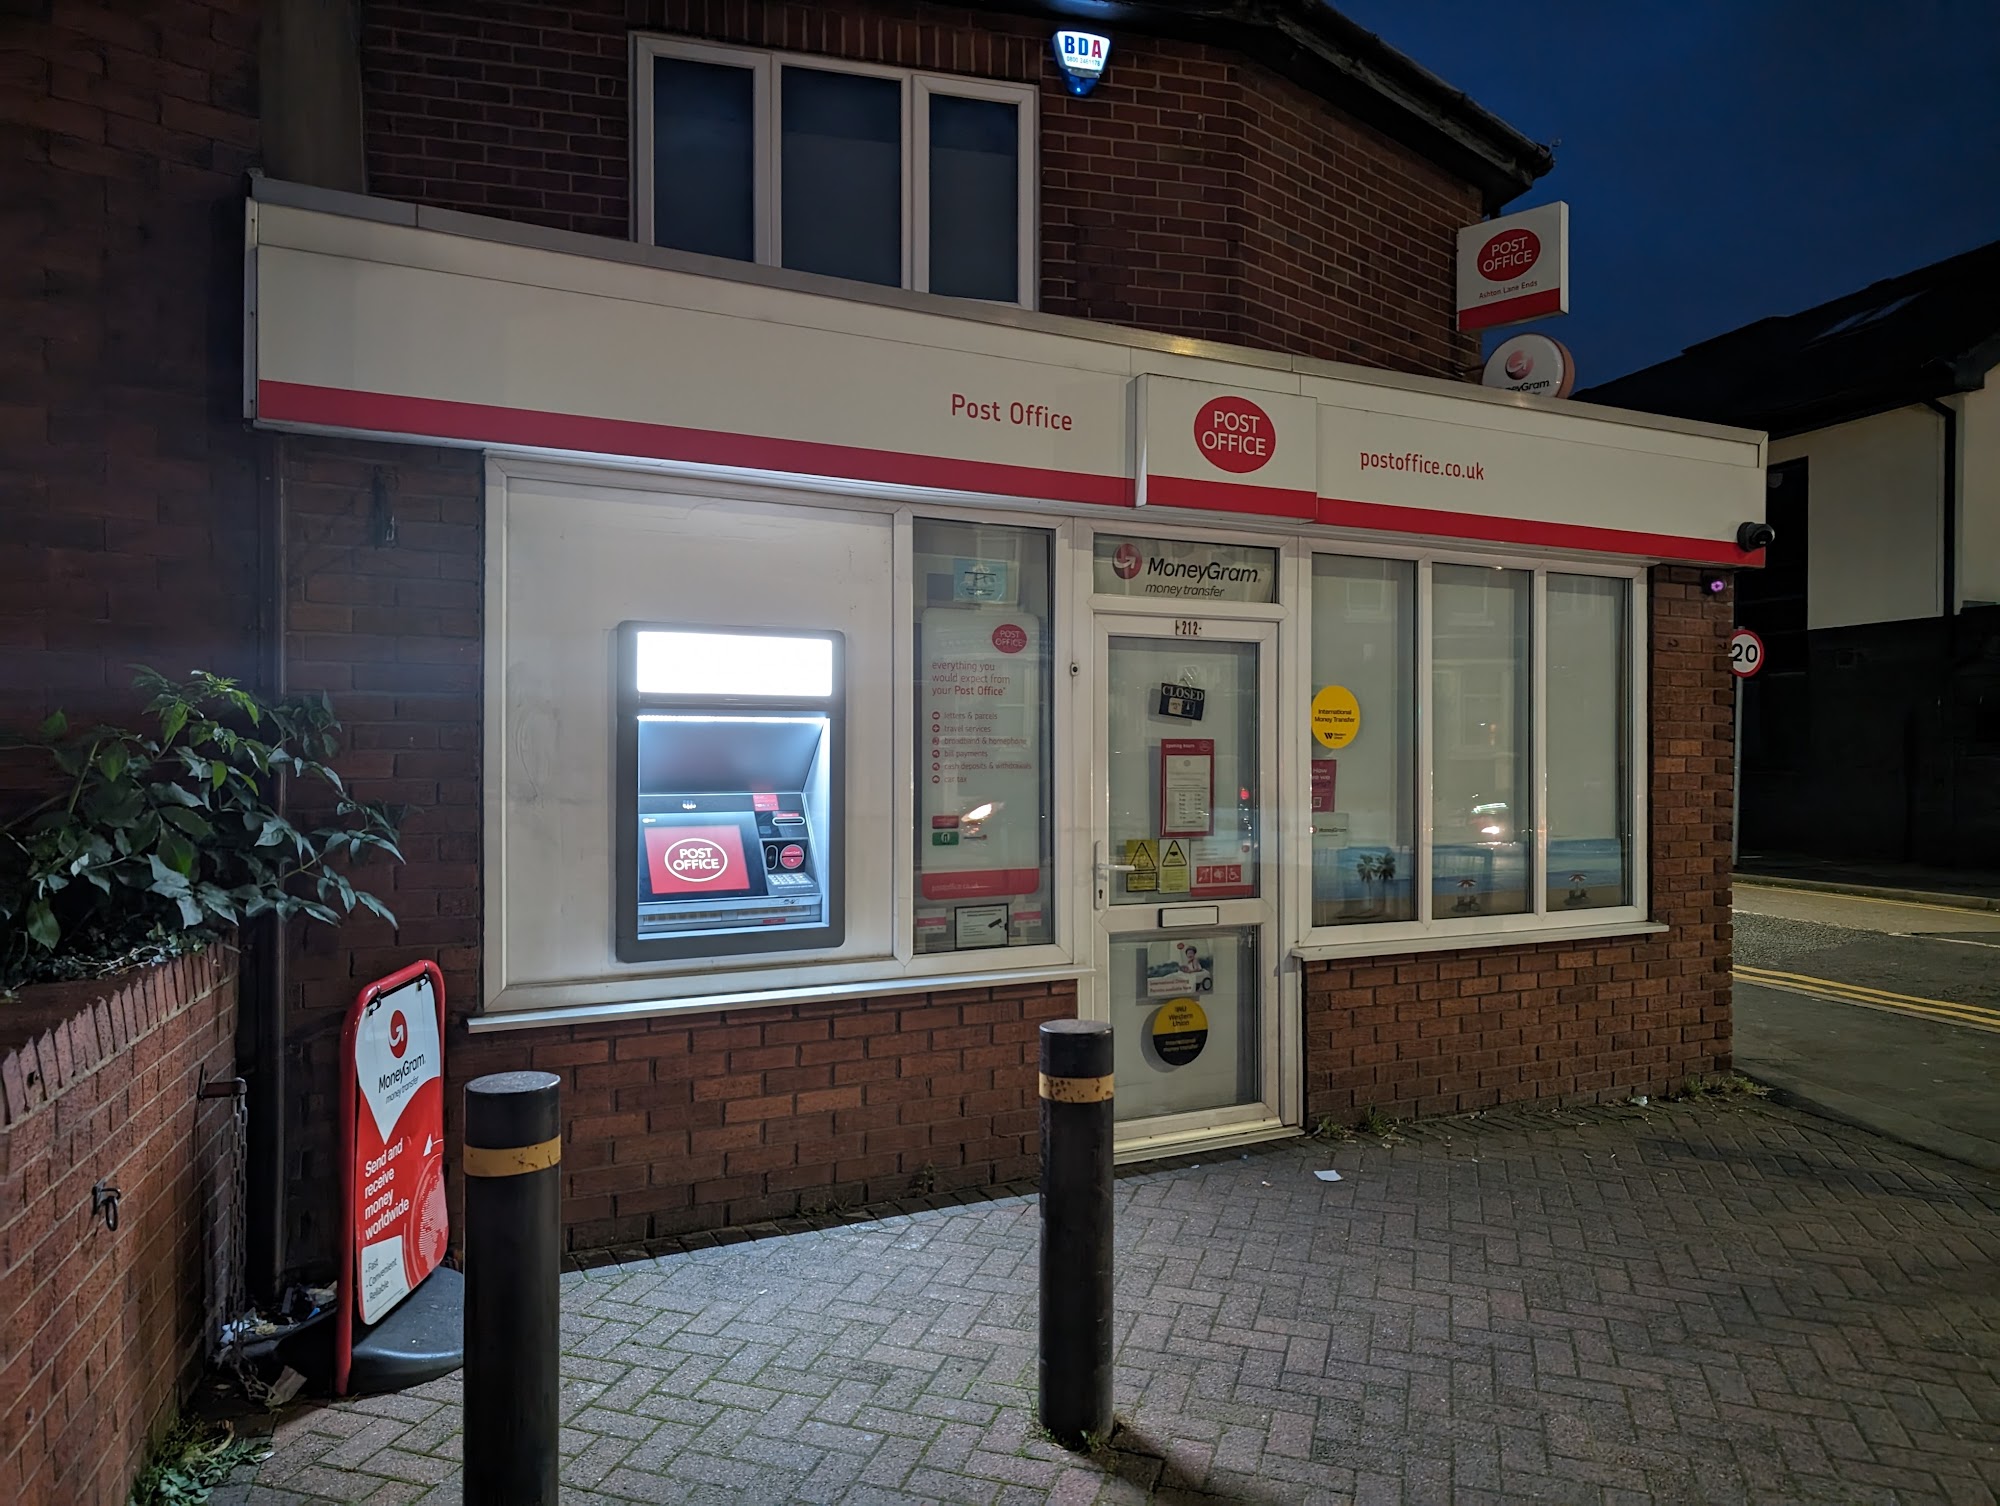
(1729, 159)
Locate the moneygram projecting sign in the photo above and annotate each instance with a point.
(1514, 268)
(396, 1208)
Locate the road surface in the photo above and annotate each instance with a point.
(1885, 1012)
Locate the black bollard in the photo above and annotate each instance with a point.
(1076, 1231)
(513, 1254)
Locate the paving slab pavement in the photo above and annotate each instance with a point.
(1723, 1300)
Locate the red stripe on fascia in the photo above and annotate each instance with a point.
(1386, 518)
(1511, 310)
(439, 418)
(1223, 496)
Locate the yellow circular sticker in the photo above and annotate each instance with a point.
(1336, 716)
(1180, 1030)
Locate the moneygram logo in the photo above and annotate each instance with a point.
(1520, 365)
(1127, 562)
(399, 1035)
(696, 860)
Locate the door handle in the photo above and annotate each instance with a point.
(1104, 868)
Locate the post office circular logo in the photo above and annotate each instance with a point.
(1235, 435)
(1010, 638)
(1510, 254)
(696, 860)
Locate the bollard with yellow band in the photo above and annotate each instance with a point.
(1075, 1370)
(513, 1255)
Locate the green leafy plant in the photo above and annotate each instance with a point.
(190, 1462)
(1375, 1122)
(154, 843)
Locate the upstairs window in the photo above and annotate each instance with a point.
(912, 180)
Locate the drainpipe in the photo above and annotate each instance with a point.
(261, 1032)
(1949, 606)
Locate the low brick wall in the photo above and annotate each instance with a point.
(103, 1330)
(682, 1123)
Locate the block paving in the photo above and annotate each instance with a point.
(1720, 1301)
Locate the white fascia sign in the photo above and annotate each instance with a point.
(1081, 55)
(1514, 269)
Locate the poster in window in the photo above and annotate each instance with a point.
(1187, 786)
(980, 776)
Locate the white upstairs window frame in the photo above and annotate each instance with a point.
(918, 88)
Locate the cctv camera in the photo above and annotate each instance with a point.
(1751, 537)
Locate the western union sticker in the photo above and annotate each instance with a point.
(1336, 716)
(1144, 856)
(1174, 869)
(1180, 1030)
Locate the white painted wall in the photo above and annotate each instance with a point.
(1979, 493)
(1876, 544)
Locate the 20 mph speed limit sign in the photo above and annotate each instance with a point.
(1746, 653)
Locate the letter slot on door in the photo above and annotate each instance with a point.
(729, 777)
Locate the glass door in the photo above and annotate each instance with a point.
(1184, 891)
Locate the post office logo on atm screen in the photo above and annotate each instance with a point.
(696, 860)
(691, 861)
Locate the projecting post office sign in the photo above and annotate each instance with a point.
(1514, 268)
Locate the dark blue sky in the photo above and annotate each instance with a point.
(1728, 159)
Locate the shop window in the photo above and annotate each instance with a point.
(1589, 718)
(1519, 835)
(872, 174)
(1362, 775)
(1481, 821)
(983, 693)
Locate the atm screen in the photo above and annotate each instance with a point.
(695, 856)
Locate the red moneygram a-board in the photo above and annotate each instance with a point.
(393, 1212)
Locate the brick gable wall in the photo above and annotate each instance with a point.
(101, 1330)
(1191, 193)
(127, 480)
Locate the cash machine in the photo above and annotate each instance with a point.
(729, 769)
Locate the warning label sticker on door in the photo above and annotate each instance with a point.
(1174, 868)
(1144, 857)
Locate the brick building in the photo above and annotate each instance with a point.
(850, 549)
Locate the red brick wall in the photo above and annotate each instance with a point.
(103, 1330)
(127, 481)
(392, 633)
(683, 1123)
(1191, 192)
(1451, 1032)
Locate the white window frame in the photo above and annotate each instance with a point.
(768, 137)
(1428, 929)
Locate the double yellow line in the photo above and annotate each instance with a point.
(1978, 1016)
